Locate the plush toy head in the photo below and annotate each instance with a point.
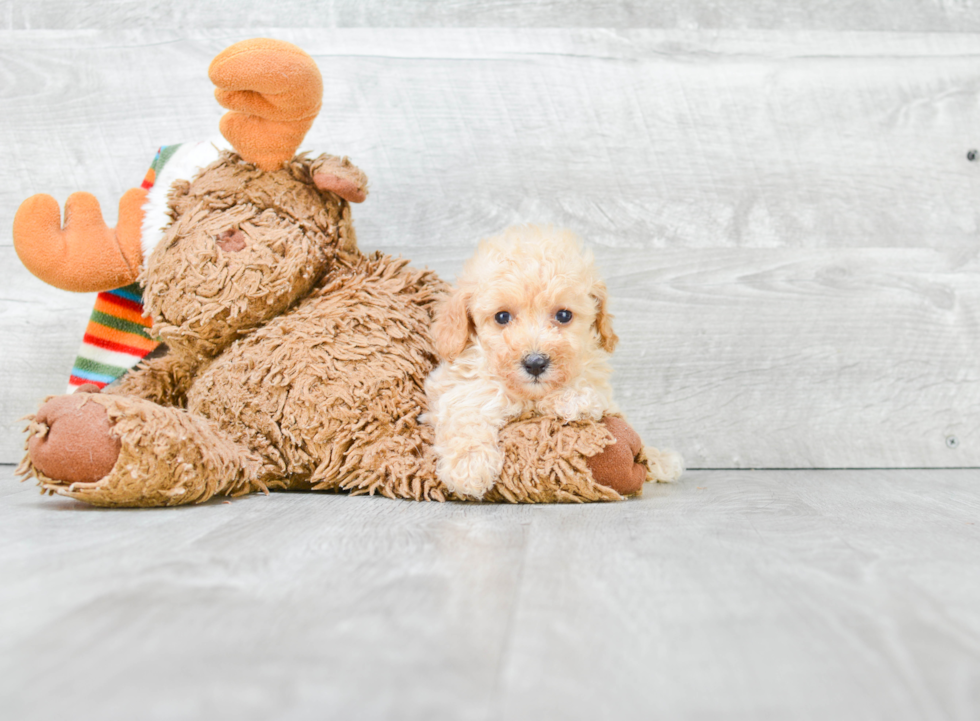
(217, 255)
(274, 91)
(244, 245)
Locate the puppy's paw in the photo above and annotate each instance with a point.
(577, 406)
(665, 466)
(472, 473)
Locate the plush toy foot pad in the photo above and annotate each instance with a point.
(617, 466)
(79, 446)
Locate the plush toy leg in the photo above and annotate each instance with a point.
(545, 461)
(111, 450)
(626, 464)
(620, 465)
(548, 461)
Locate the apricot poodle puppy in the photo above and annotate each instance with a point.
(525, 329)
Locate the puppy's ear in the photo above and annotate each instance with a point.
(603, 319)
(452, 326)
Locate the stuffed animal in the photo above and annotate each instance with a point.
(261, 349)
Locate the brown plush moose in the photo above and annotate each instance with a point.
(292, 359)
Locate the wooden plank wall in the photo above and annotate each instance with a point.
(876, 15)
(786, 216)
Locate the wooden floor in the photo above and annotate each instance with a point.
(732, 594)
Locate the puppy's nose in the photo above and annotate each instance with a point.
(535, 364)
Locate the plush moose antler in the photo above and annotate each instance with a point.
(274, 91)
(85, 255)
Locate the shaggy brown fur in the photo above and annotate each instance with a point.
(295, 362)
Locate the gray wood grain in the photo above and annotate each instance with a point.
(42, 328)
(635, 139)
(787, 219)
(737, 358)
(732, 594)
(878, 15)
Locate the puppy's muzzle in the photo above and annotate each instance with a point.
(536, 364)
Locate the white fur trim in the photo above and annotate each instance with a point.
(666, 466)
(184, 164)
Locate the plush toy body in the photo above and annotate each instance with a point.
(293, 360)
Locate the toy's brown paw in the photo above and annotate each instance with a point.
(616, 466)
(79, 446)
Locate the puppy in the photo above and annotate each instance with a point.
(525, 329)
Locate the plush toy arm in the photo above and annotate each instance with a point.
(340, 176)
(162, 380)
(85, 255)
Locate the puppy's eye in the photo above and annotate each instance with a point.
(563, 316)
(502, 318)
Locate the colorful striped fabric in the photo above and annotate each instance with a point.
(117, 337)
(163, 155)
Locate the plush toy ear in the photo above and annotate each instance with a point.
(603, 319)
(452, 327)
(340, 176)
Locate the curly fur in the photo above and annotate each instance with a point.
(532, 274)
